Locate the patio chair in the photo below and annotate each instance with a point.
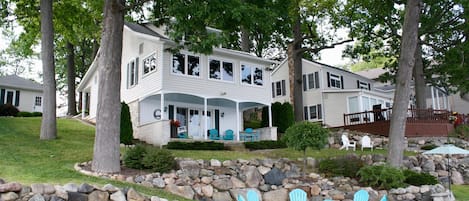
(240, 198)
(384, 198)
(213, 134)
(249, 132)
(252, 195)
(346, 143)
(297, 195)
(361, 195)
(228, 135)
(366, 142)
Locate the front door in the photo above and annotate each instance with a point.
(10, 97)
(194, 124)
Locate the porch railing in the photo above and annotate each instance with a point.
(413, 116)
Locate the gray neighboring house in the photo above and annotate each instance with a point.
(25, 94)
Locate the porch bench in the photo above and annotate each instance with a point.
(249, 136)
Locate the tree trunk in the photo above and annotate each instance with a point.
(404, 75)
(419, 79)
(106, 146)
(245, 42)
(72, 103)
(49, 122)
(296, 70)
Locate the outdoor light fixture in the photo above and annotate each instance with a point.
(222, 114)
(165, 109)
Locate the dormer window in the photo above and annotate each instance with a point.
(335, 81)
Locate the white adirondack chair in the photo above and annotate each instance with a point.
(346, 143)
(366, 142)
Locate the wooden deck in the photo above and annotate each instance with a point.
(420, 123)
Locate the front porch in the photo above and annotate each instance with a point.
(420, 123)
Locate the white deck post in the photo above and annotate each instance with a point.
(270, 115)
(433, 97)
(238, 125)
(438, 98)
(163, 112)
(204, 132)
(83, 104)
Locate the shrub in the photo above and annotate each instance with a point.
(126, 135)
(282, 116)
(461, 131)
(24, 114)
(37, 114)
(346, 166)
(158, 160)
(428, 147)
(8, 110)
(133, 157)
(210, 145)
(265, 144)
(382, 177)
(418, 179)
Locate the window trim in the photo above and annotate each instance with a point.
(221, 60)
(333, 79)
(134, 61)
(186, 64)
(311, 81)
(253, 67)
(307, 112)
(36, 101)
(363, 85)
(143, 64)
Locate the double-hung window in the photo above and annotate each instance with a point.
(186, 64)
(38, 101)
(251, 75)
(149, 64)
(335, 81)
(221, 70)
(132, 72)
(310, 81)
(278, 88)
(313, 112)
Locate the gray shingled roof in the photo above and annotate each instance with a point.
(17, 82)
(142, 29)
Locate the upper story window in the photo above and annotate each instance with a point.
(38, 101)
(335, 81)
(251, 75)
(311, 81)
(132, 72)
(186, 64)
(363, 85)
(313, 112)
(278, 88)
(149, 64)
(221, 70)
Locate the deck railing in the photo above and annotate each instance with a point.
(413, 116)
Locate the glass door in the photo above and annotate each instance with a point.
(194, 123)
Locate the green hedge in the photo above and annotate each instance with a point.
(149, 158)
(265, 144)
(195, 145)
(418, 179)
(347, 166)
(24, 114)
(382, 177)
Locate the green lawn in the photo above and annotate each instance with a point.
(26, 159)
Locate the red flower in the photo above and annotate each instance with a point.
(175, 123)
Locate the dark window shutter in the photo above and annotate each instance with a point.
(342, 81)
(328, 80)
(369, 86)
(17, 98)
(273, 89)
(2, 96)
(305, 87)
(319, 111)
(306, 112)
(358, 84)
(136, 70)
(284, 88)
(171, 112)
(316, 79)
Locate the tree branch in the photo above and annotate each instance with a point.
(137, 3)
(316, 50)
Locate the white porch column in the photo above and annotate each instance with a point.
(83, 104)
(438, 98)
(204, 132)
(433, 97)
(270, 115)
(238, 125)
(163, 111)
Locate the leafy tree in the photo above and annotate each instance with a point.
(306, 134)
(126, 134)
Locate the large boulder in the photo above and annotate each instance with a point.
(98, 196)
(10, 187)
(190, 168)
(222, 196)
(183, 191)
(222, 184)
(276, 195)
(253, 177)
(274, 177)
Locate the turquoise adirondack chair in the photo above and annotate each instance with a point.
(297, 195)
(384, 198)
(213, 134)
(327, 200)
(241, 198)
(252, 195)
(228, 135)
(361, 195)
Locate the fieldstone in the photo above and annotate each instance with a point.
(237, 183)
(10, 187)
(133, 195)
(274, 177)
(243, 161)
(409, 196)
(9, 196)
(49, 189)
(267, 162)
(25, 191)
(207, 190)
(71, 187)
(37, 197)
(222, 196)
(424, 188)
(345, 188)
(428, 166)
(75, 196)
(421, 142)
(228, 163)
(206, 173)
(190, 168)
(456, 178)
(397, 191)
(2, 181)
(276, 195)
(159, 182)
(312, 162)
(222, 171)
(139, 179)
(336, 195)
(118, 196)
(222, 184)
(85, 188)
(155, 198)
(110, 188)
(98, 196)
(253, 177)
(215, 163)
(206, 180)
(183, 191)
(147, 184)
(413, 189)
(61, 192)
(56, 198)
(266, 187)
(442, 173)
(120, 177)
(315, 189)
(37, 188)
(263, 170)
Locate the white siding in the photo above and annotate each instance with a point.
(278, 75)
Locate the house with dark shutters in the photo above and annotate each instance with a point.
(24, 94)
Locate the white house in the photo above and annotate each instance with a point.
(24, 94)
(329, 92)
(202, 92)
